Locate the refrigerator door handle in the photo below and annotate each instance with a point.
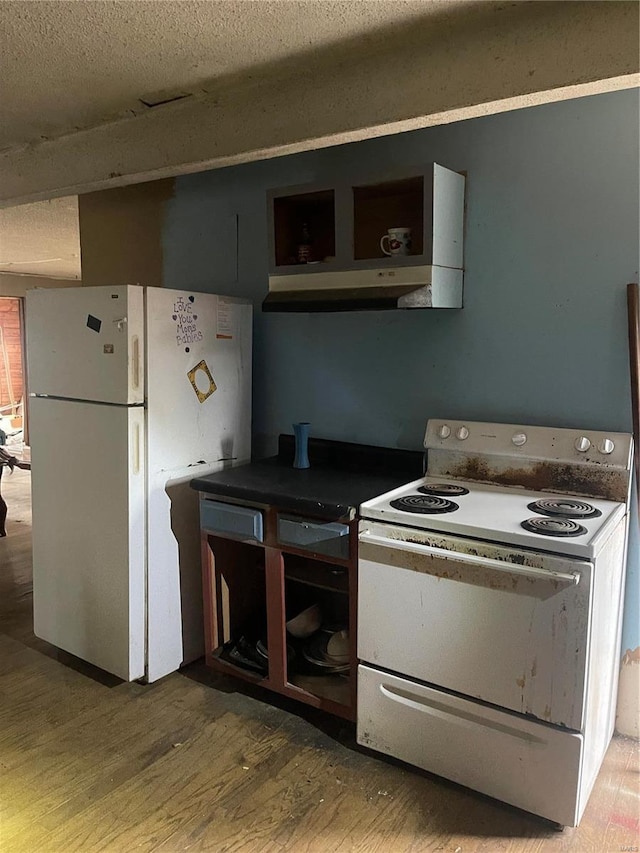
(135, 361)
(472, 561)
(136, 449)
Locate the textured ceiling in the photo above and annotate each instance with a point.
(123, 53)
(41, 239)
(65, 66)
(70, 65)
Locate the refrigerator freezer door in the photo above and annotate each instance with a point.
(86, 343)
(88, 496)
(198, 421)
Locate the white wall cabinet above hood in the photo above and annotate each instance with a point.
(326, 252)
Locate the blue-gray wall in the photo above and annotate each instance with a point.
(551, 242)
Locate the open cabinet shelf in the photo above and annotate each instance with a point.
(329, 688)
(304, 228)
(253, 588)
(378, 207)
(313, 573)
(326, 239)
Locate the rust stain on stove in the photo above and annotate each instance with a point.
(447, 567)
(590, 481)
(521, 682)
(453, 546)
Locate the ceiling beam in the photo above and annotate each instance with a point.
(497, 58)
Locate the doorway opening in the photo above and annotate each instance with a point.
(14, 453)
(12, 375)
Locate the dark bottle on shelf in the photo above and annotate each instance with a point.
(303, 251)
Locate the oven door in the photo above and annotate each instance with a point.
(511, 629)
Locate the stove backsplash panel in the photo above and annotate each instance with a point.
(587, 480)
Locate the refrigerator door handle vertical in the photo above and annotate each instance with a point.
(135, 361)
(136, 448)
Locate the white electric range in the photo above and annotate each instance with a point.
(490, 607)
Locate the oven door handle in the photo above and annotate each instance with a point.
(566, 578)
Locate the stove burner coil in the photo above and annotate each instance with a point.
(425, 504)
(443, 490)
(553, 526)
(564, 507)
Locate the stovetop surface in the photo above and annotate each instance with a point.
(496, 513)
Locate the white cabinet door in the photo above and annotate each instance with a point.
(88, 496)
(492, 629)
(86, 343)
(530, 765)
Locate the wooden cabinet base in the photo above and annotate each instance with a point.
(247, 588)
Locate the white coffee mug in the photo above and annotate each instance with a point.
(399, 241)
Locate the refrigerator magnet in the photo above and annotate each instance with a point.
(202, 381)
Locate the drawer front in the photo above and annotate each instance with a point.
(329, 538)
(237, 522)
(521, 762)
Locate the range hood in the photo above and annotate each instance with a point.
(366, 289)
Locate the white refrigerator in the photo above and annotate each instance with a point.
(133, 392)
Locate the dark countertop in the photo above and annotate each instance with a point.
(341, 477)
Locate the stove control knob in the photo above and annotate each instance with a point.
(462, 433)
(606, 446)
(444, 431)
(582, 444)
(519, 439)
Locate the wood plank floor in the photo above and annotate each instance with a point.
(196, 762)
